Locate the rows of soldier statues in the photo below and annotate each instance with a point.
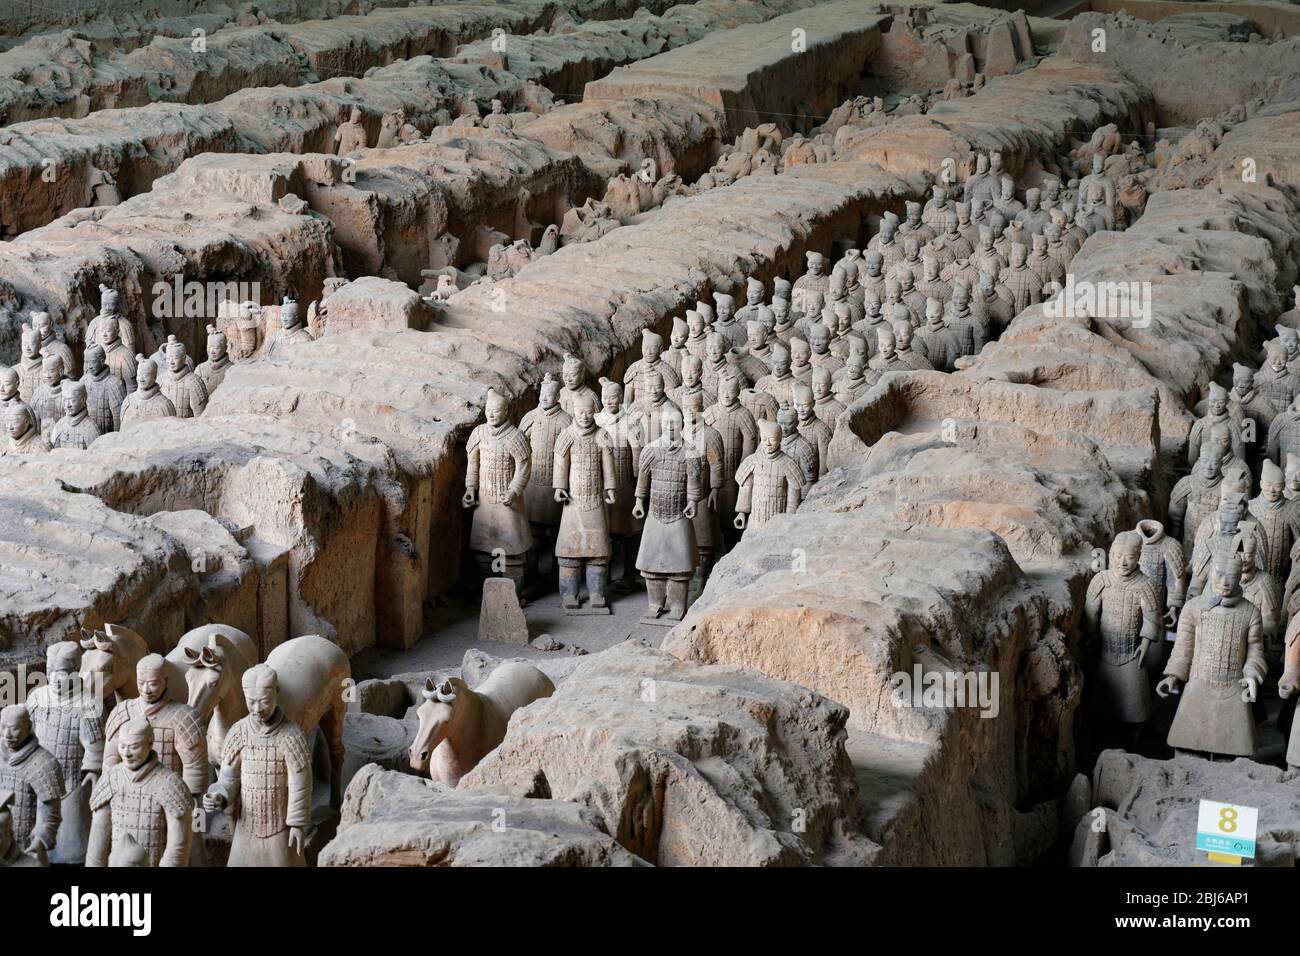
(731, 424)
(206, 729)
(45, 406)
(1221, 574)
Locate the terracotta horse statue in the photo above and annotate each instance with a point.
(205, 670)
(313, 675)
(110, 656)
(459, 726)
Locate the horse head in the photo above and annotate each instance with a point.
(99, 661)
(437, 715)
(207, 677)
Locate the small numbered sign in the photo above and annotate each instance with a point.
(1227, 829)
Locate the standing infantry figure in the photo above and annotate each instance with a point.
(1216, 414)
(499, 463)
(265, 778)
(51, 344)
(1288, 684)
(616, 420)
(779, 383)
(179, 741)
(692, 373)
(24, 435)
(651, 360)
(769, 481)
(668, 491)
(180, 384)
(706, 441)
(697, 334)
(110, 313)
(1258, 586)
(1220, 532)
(119, 359)
(75, 429)
(1278, 519)
(292, 333)
(739, 433)
(69, 724)
(1165, 566)
(1123, 614)
(676, 350)
(812, 428)
(797, 447)
(141, 807)
(31, 368)
(47, 401)
(574, 376)
(213, 372)
(542, 426)
(1195, 496)
(105, 392)
(585, 482)
(1276, 382)
(147, 402)
(1218, 666)
(35, 778)
(9, 390)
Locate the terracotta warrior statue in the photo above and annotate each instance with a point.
(69, 723)
(676, 350)
(31, 367)
(31, 774)
(651, 360)
(47, 401)
(141, 798)
(1122, 614)
(1216, 414)
(1289, 682)
(1258, 586)
(797, 447)
(213, 372)
(178, 739)
(1278, 520)
(75, 429)
(119, 359)
(586, 483)
(692, 382)
(738, 430)
(769, 481)
(697, 333)
(499, 464)
(1220, 532)
(1165, 566)
(707, 442)
(110, 313)
(147, 402)
(725, 324)
(1195, 496)
(265, 778)
(12, 854)
(780, 381)
(573, 375)
(814, 279)
(51, 344)
(105, 392)
(616, 420)
(542, 426)
(180, 383)
(1217, 666)
(24, 434)
(9, 389)
(292, 332)
(826, 406)
(813, 429)
(668, 492)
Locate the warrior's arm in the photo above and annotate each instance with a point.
(1092, 604)
(748, 437)
(713, 454)
(101, 837)
(1151, 618)
(1176, 577)
(299, 809)
(1180, 661)
(1291, 660)
(1256, 667)
(694, 484)
(608, 471)
(49, 814)
(193, 752)
(560, 466)
(471, 468)
(523, 469)
(643, 476)
(1177, 511)
(92, 743)
(179, 834)
(198, 397)
(793, 495)
(744, 497)
(226, 785)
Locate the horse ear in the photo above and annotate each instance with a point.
(191, 655)
(208, 658)
(87, 640)
(446, 692)
(103, 642)
(429, 691)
